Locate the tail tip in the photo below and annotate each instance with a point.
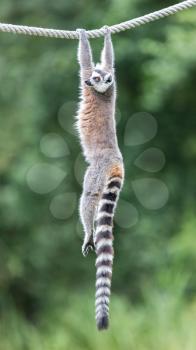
(102, 323)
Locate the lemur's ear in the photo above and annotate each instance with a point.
(107, 55)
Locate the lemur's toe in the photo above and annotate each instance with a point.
(87, 247)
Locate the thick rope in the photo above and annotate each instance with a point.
(96, 33)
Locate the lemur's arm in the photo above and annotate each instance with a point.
(84, 55)
(107, 55)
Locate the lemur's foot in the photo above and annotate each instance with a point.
(87, 247)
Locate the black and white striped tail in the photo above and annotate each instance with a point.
(104, 249)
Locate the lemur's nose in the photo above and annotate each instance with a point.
(88, 82)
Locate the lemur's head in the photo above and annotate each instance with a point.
(100, 80)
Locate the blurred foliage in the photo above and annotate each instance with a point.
(41, 265)
(163, 322)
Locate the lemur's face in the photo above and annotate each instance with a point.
(100, 80)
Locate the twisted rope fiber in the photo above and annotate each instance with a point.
(96, 33)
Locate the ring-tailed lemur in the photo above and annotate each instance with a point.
(104, 176)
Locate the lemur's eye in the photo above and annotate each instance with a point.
(97, 79)
(109, 80)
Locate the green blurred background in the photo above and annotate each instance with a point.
(46, 286)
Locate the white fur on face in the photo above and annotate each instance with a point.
(100, 81)
(101, 87)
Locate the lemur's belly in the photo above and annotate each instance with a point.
(95, 133)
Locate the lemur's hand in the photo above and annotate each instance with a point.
(107, 31)
(81, 33)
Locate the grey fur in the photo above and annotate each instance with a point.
(97, 129)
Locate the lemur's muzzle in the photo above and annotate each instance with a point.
(88, 82)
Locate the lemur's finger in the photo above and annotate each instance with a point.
(81, 32)
(107, 30)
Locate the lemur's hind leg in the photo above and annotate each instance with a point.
(88, 205)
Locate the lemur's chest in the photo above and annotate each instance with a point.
(94, 118)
